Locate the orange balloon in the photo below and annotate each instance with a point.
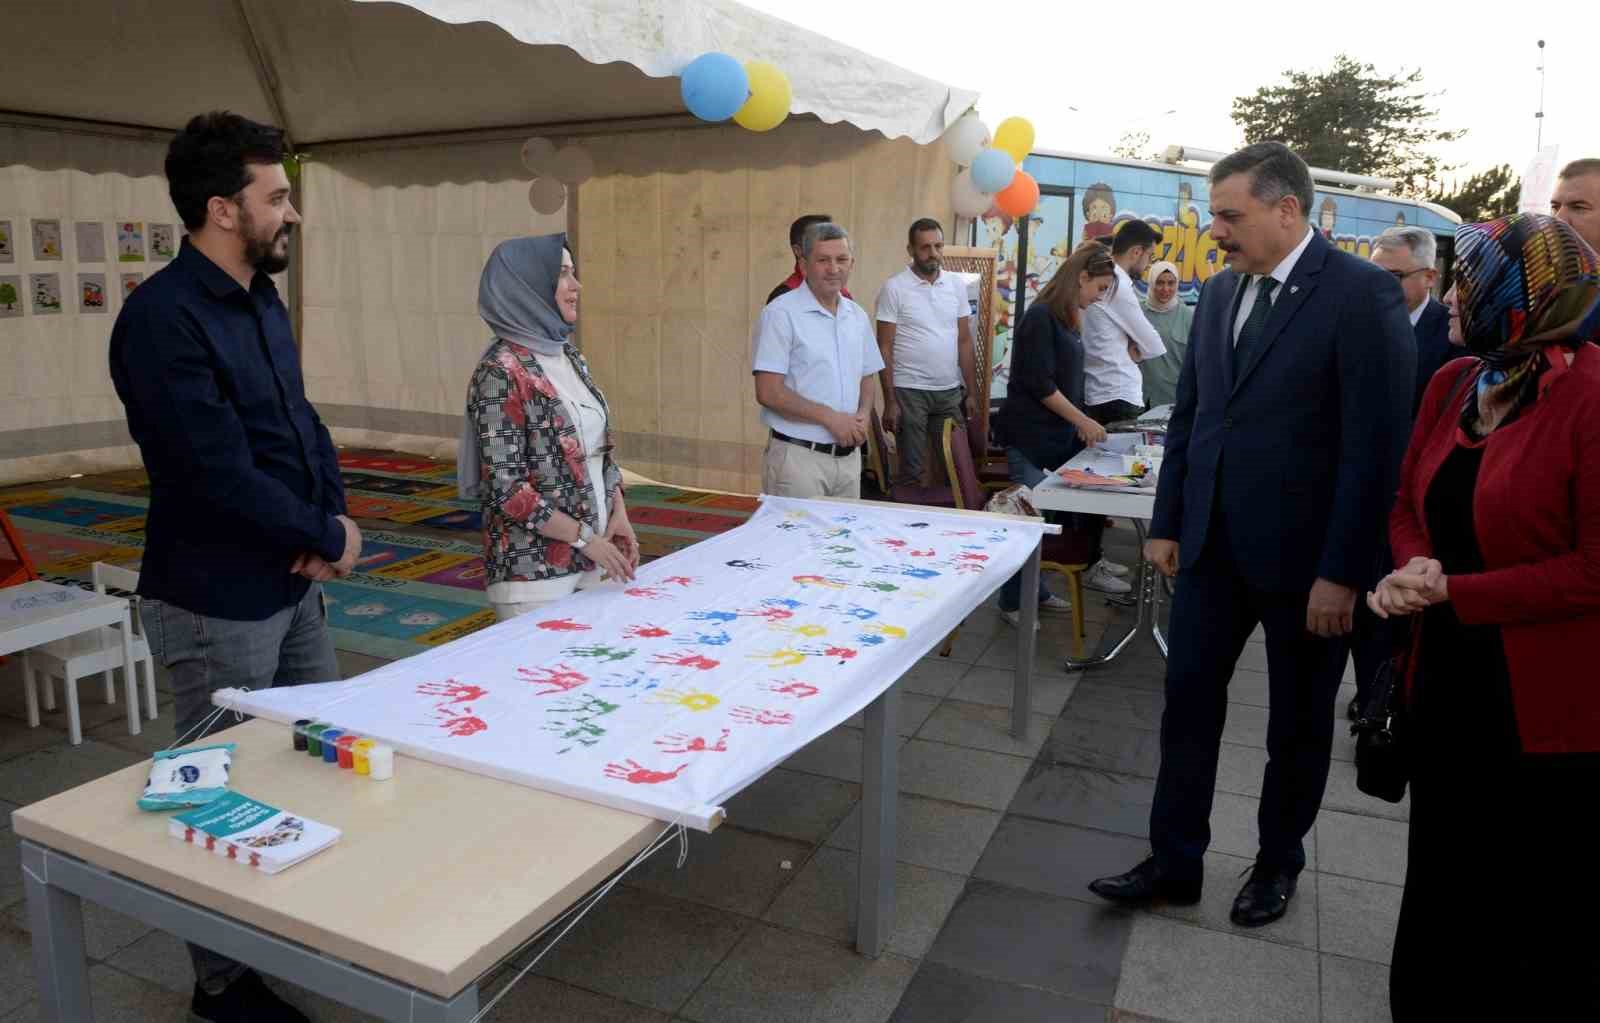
(1020, 197)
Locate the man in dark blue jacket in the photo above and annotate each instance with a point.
(247, 510)
(1282, 456)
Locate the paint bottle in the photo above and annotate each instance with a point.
(346, 753)
(330, 748)
(380, 760)
(314, 737)
(300, 734)
(358, 753)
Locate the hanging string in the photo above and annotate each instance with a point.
(206, 723)
(580, 909)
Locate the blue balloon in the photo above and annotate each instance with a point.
(715, 86)
(992, 170)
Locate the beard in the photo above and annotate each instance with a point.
(263, 253)
(927, 269)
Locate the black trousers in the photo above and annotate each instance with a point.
(1372, 642)
(1214, 611)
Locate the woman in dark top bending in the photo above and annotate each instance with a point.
(1497, 527)
(1042, 422)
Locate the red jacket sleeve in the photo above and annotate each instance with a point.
(1408, 536)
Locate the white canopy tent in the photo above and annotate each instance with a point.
(411, 116)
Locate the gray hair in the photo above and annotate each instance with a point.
(1275, 171)
(829, 232)
(1424, 248)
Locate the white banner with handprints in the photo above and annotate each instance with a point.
(670, 694)
(1539, 181)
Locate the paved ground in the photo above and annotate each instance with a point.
(997, 841)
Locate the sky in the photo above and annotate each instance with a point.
(1039, 66)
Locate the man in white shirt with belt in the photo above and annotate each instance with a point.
(925, 339)
(815, 357)
(1116, 335)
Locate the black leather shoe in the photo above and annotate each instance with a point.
(246, 1000)
(1264, 898)
(1147, 882)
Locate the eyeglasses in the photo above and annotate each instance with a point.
(1401, 275)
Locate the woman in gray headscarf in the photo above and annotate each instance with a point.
(1171, 316)
(536, 449)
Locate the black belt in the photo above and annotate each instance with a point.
(836, 450)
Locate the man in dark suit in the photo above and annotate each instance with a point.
(1408, 254)
(1282, 456)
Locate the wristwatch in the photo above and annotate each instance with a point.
(585, 534)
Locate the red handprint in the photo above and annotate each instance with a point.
(680, 580)
(685, 661)
(458, 725)
(453, 691)
(645, 632)
(798, 690)
(969, 556)
(563, 625)
(844, 653)
(922, 554)
(896, 544)
(677, 742)
(958, 532)
(635, 773)
(560, 679)
(761, 716)
(646, 592)
(771, 614)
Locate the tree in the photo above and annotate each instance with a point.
(8, 296)
(1349, 118)
(1493, 193)
(1134, 145)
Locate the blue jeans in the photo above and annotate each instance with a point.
(204, 654)
(1029, 475)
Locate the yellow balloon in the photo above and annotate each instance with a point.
(1014, 136)
(769, 100)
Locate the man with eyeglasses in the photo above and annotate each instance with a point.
(1408, 253)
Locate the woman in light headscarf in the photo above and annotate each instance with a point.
(1171, 317)
(1497, 526)
(536, 449)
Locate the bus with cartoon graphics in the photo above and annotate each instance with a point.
(1084, 197)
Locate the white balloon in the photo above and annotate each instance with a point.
(547, 195)
(965, 197)
(572, 165)
(964, 138)
(536, 155)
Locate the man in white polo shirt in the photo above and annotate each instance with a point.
(814, 362)
(925, 339)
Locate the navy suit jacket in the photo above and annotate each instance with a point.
(1290, 469)
(1433, 346)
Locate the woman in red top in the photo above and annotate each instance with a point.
(1497, 525)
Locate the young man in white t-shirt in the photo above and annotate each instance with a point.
(925, 338)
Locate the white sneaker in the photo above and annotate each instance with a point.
(1056, 605)
(1014, 619)
(1112, 567)
(1097, 578)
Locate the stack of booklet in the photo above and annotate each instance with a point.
(240, 828)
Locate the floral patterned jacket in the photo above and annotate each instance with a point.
(533, 465)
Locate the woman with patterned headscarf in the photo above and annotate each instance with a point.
(1497, 525)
